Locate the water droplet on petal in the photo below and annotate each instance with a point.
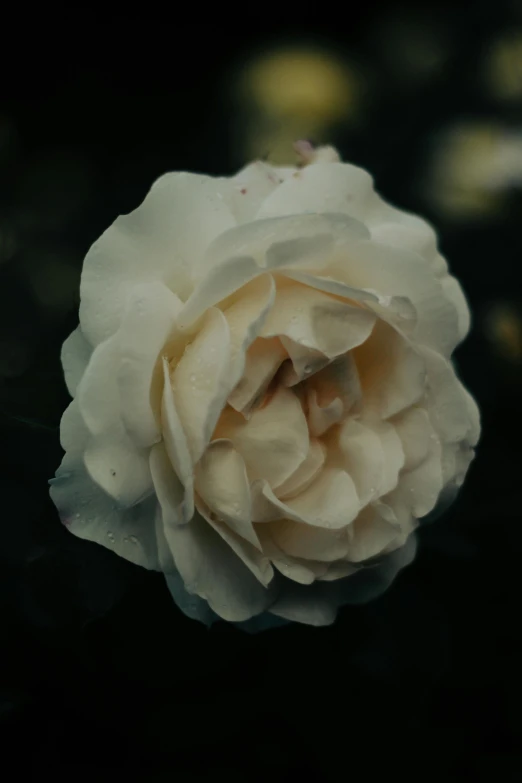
(110, 536)
(133, 539)
(193, 378)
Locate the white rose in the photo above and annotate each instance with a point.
(264, 402)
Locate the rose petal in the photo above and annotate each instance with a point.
(310, 543)
(391, 370)
(310, 236)
(320, 419)
(266, 506)
(301, 571)
(372, 533)
(240, 254)
(146, 326)
(392, 272)
(304, 604)
(393, 455)
(402, 230)
(74, 435)
(419, 488)
(75, 355)
(89, 513)
(363, 458)
(371, 452)
(200, 381)
(339, 570)
(256, 562)
(452, 411)
(118, 467)
(338, 380)
(331, 501)
(114, 396)
(245, 318)
(222, 484)
(169, 489)
(369, 583)
(274, 441)
(454, 293)
(396, 310)
(251, 186)
(211, 569)
(414, 429)
(191, 605)
(179, 218)
(114, 462)
(307, 471)
(315, 320)
(218, 284)
(322, 187)
(262, 361)
(304, 362)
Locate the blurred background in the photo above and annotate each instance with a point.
(99, 672)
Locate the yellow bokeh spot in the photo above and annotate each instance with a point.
(504, 329)
(503, 67)
(305, 82)
(473, 168)
(294, 92)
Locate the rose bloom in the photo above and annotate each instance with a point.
(264, 402)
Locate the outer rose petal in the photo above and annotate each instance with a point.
(239, 255)
(89, 513)
(252, 185)
(322, 187)
(304, 604)
(368, 583)
(200, 381)
(222, 484)
(452, 411)
(210, 569)
(75, 355)
(180, 216)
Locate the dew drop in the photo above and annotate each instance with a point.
(193, 378)
(133, 539)
(110, 536)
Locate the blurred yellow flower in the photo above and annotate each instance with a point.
(503, 67)
(294, 92)
(473, 167)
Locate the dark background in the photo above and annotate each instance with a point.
(100, 674)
